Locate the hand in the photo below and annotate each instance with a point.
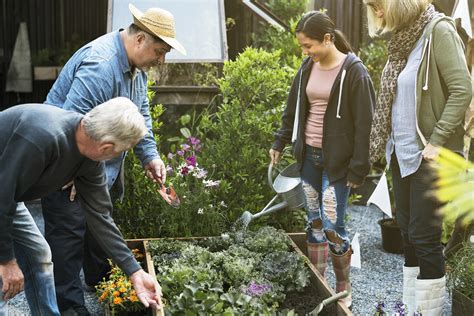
(12, 279)
(72, 195)
(352, 185)
(274, 156)
(430, 152)
(147, 288)
(156, 170)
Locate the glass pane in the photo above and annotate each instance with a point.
(200, 26)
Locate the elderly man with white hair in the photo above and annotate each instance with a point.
(42, 148)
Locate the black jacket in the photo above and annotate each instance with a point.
(347, 121)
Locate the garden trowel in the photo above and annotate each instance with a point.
(169, 195)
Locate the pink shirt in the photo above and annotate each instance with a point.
(318, 90)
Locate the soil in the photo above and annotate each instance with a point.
(306, 301)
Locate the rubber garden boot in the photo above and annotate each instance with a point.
(409, 276)
(318, 256)
(430, 295)
(342, 267)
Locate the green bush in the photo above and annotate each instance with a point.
(374, 57)
(238, 135)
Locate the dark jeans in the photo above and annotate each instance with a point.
(419, 221)
(72, 247)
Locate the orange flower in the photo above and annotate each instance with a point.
(116, 293)
(122, 290)
(103, 297)
(133, 298)
(117, 300)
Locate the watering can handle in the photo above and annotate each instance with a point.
(270, 175)
(270, 169)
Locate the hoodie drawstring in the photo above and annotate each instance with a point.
(343, 76)
(297, 111)
(425, 86)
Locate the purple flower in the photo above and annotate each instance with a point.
(180, 153)
(191, 161)
(184, 171)
(399, 308)
(197, 148)
(185, 147)
(194, 141)
(169, 169)
(170, 156)
(255, 289)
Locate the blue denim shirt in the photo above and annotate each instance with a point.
(96, 73)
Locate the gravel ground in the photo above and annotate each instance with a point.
(379, 279)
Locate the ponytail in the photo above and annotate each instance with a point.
(341, 42)
(316, 24)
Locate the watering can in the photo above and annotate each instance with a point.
(289, 188)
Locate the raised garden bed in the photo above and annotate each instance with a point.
(301, 302)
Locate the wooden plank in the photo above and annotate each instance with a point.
(151, 270)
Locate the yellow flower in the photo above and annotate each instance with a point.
(117, 300)
(133, 298)
(122, 290)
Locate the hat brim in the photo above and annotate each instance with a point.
(173, 42)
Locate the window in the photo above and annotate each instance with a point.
(200, 26)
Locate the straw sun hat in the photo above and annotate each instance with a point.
(158, 22)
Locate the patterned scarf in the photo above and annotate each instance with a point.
(399, 48)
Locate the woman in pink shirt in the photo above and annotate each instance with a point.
(327, 120)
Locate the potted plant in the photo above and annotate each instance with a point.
(460, 279)
(45, 66)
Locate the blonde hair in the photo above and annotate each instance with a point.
(116, 121)
(397, 14)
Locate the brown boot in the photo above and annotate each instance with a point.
(318, 255)
(342, 266)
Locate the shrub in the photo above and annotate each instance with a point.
(239, 134)
(374, 57)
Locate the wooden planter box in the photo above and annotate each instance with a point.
(298, 242)
(184, 95)
(46, 72)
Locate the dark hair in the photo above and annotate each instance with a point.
(134, 29)
(316, 24)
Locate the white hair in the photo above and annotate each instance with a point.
(116, 121)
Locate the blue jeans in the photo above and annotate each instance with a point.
(34, 258)
(325, 202)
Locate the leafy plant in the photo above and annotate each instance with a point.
(232, 281)
(455, 185)
(461, 270)
(284, 268)
(374, 57)
(254, 89)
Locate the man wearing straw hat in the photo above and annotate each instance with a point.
(110, 66)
